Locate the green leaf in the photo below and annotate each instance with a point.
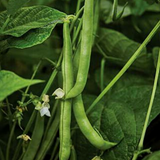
(138, 7)
(14, 5)
(120, 119)
(34, 54)
(145, 23)
(119, 49)
(128, 79)
(29, 18)
(31, 38)
(10, 82)
(153, 156)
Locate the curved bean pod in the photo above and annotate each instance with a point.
(86, 128)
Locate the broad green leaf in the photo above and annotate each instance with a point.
(10, 82)
(29, 18)
(14, 5)
(31, 38)
(128, 79)
(118, 49)
(138, 7)
(145, 23)
(120, 119)
(34, 54)
(153, 156)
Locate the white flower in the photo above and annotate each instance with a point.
(45, 98)
(59, 93)
(24, 137)
(38, 105)
(45, 109)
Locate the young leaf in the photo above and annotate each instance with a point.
(14, 5)
(31, 38)
(29, 18)
(10, 82)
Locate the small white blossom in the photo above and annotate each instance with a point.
(45, 98)
(38, 106)
(24, 137)
(45, 109)
(59, 93)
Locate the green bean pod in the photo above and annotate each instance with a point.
(86, 128)
(86, 46)
(67, 74)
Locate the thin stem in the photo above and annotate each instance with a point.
(140, 146)
(124, 69)
(9, 112)
(9, 141)
(52, 76)
(102, 74)
(51, 118)
(78, 6)
(53, 63)
(77, 33)
(1, 154)
(33, 75)
(56, 158)
(137, 153)
(31, 120)
(75, 18)
(55, 149)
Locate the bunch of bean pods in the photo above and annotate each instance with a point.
(73, 88)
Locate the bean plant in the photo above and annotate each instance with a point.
(79, 79)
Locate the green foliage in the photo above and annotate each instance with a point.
(29, 18)
(119, 118)
(14, 5)
(10, 83)
(27, 38)
(31, 38)
(119, 49)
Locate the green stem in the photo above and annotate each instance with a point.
(1, 154)
(51, 118)
(77, 33)
(140, 146)
(102, 74)
(124, 69)
(9, 141)
(54, 149)
(33, 75)
(9, 113)
(39, 126)
(52, 76)
(76, 18)
(137, 153)
(78, 6)
(31, 120)
(50, 61)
